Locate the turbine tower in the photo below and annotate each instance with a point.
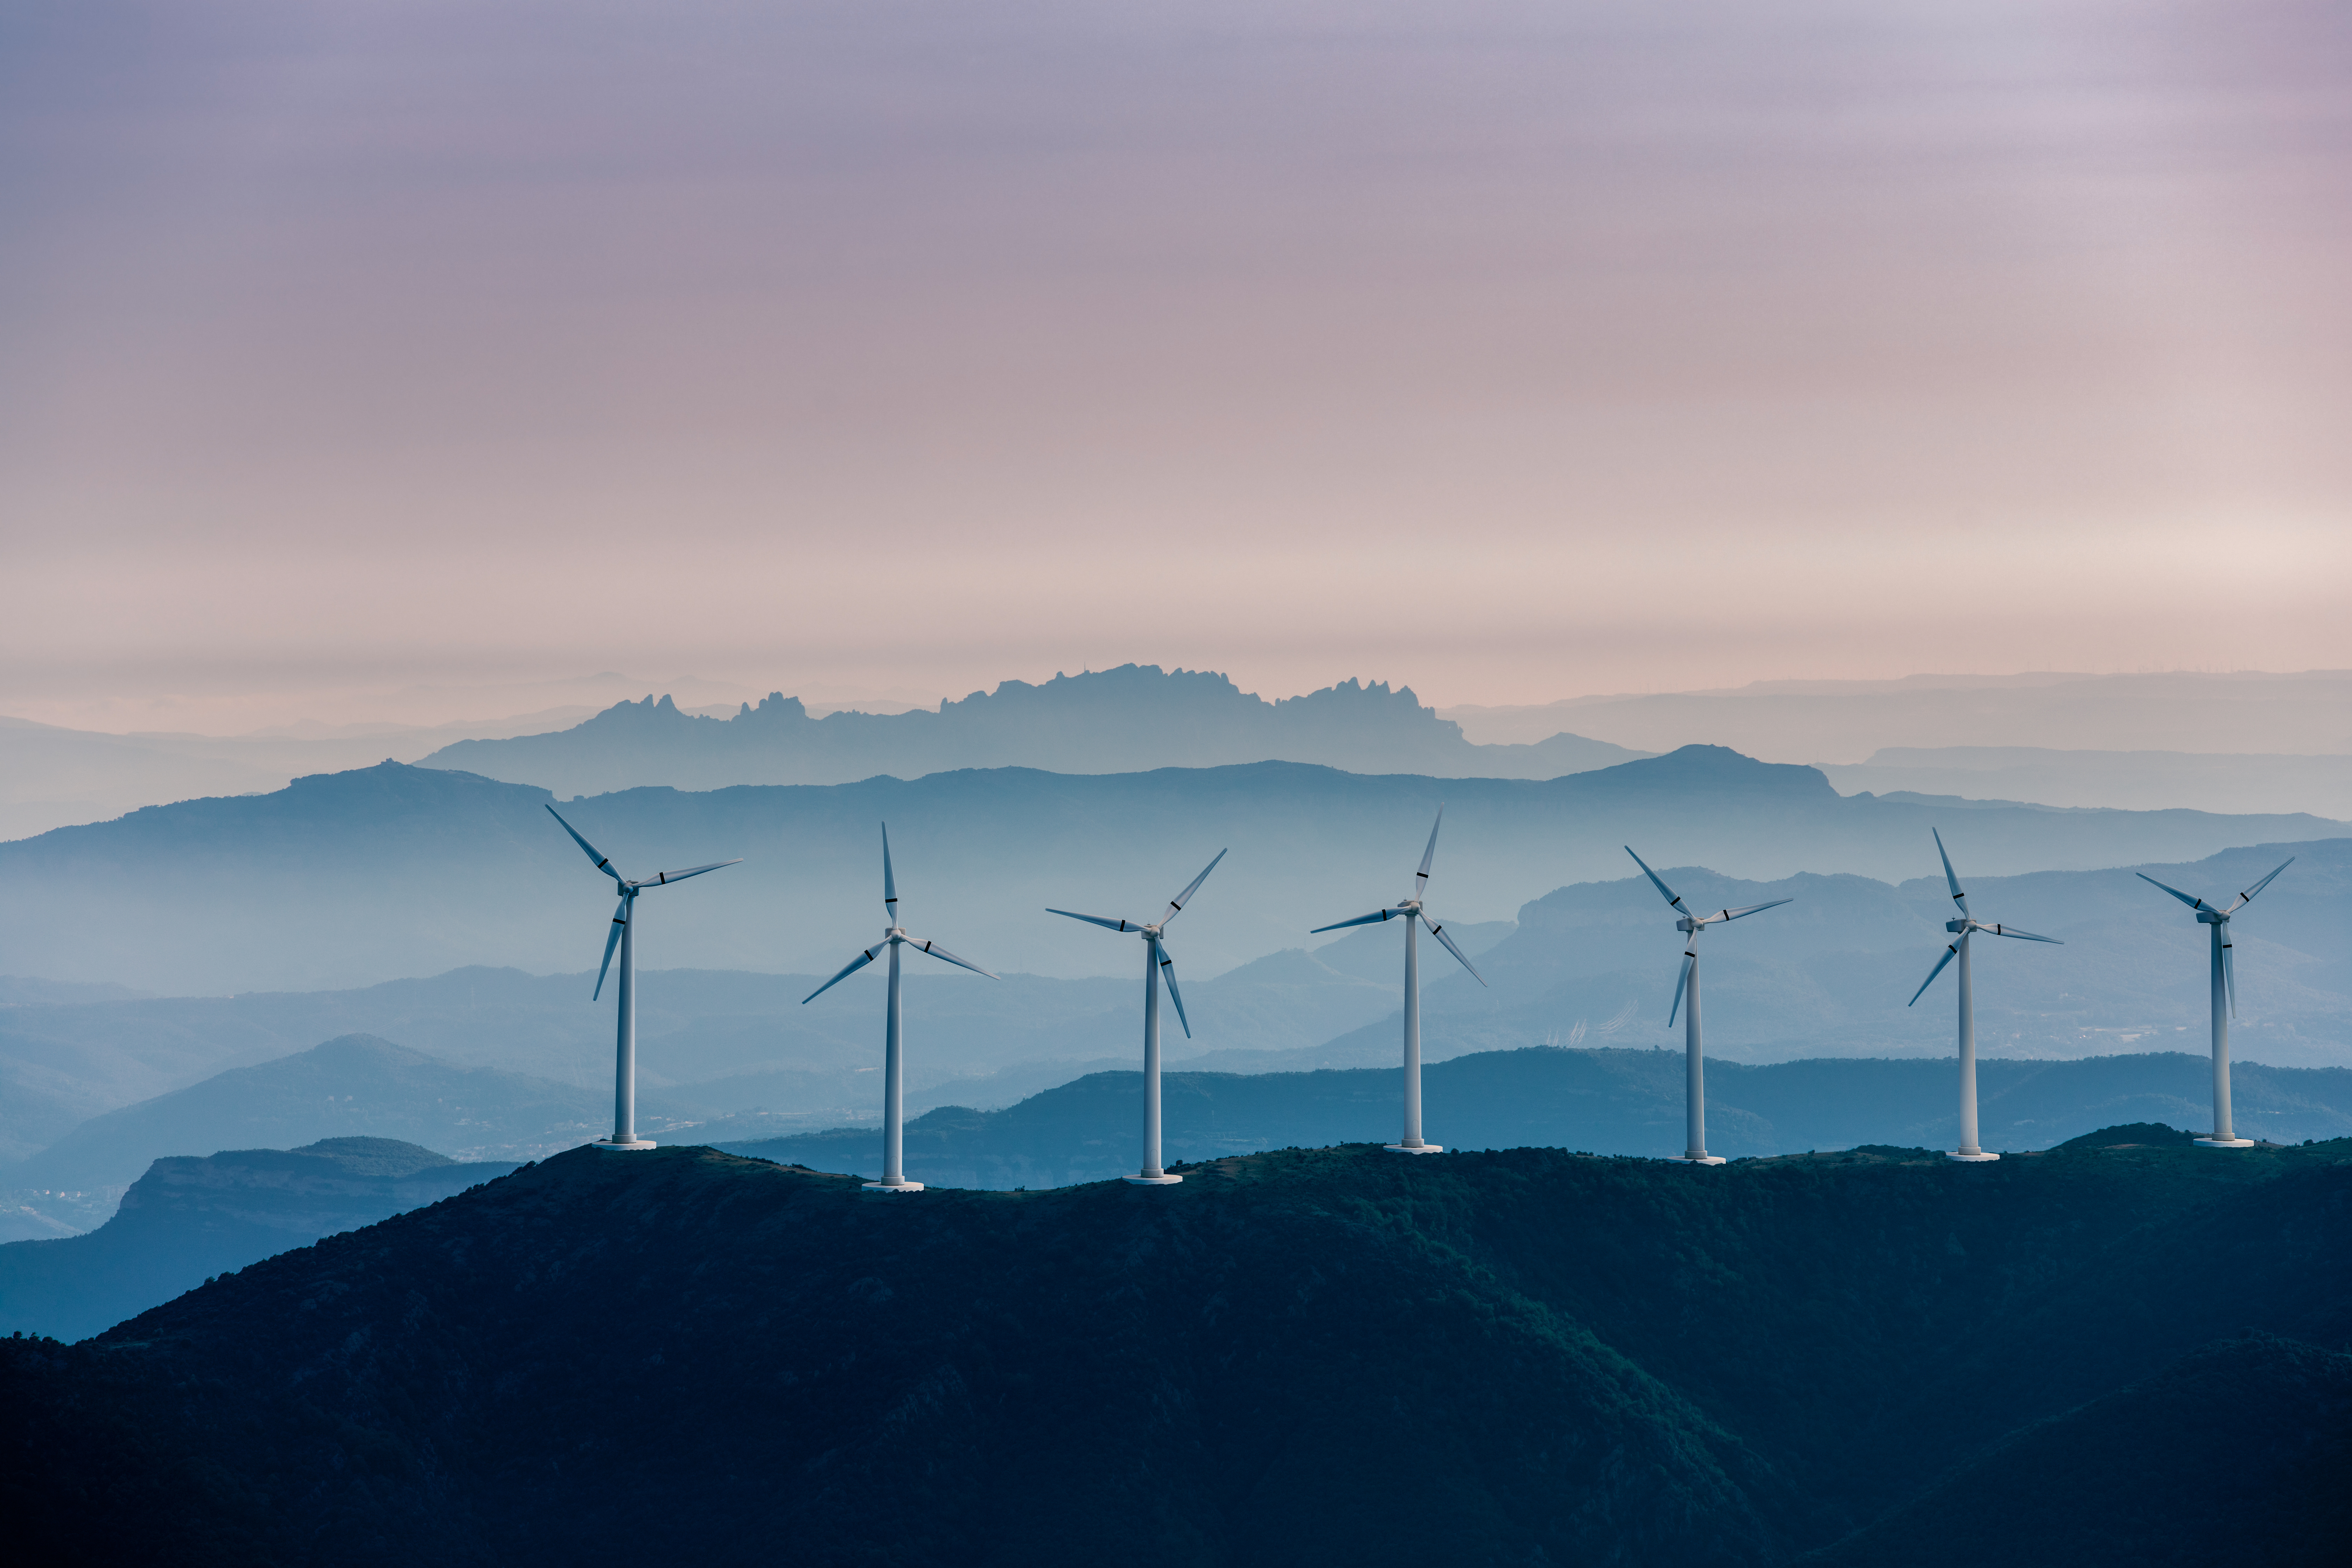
(2225, 999)
(1411, 911)
(893, 1074)
(625, 1050)
(1694, 1048)
(1156, 964)
(1963, 928)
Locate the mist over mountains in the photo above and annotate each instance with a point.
(352, 879)
(1133, 719)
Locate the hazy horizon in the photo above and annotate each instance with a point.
(1512, 350)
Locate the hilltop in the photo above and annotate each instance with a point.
(1574, 1358)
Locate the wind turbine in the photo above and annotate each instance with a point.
(1963, 928)
(1694, 1048)
(1156, 964)
(894, 1075)
(624, 1066)
(2225, 999)
(1410, 910)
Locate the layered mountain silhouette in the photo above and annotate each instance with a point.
(1297, 1357)
(352, 879)
(1129, 719)
(188, 1218)
(1604, 1103)
(354, 1086)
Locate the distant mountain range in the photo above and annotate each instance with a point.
(356, 1086)
(187, 1219)
(713, 1042)
(1335, 1356)
(1590, 964)
(352, 879)
(2134, 780)
(1603, 1103)
(1129, 720)
(2303, 713)
(1073, 1124)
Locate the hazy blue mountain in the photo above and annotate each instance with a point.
(356, 1086)
(351, 878)
(1830, 973)
(188, 1218)
(1570, 1359)
(2303, 713)
(1604, 1101)
(57, 776)
(719, 1041)
(2139, 781)
(1129, 719)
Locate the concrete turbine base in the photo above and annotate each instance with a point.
(894, 1187)
(2225, 1142)
(1701, 1159)
(1152, 1181)
(634, 1143)
(1969, 1158)
(1415, 1148)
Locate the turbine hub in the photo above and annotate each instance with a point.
(2211, 917)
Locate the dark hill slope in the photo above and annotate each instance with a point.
(1298, 1358)
(2184, 1468)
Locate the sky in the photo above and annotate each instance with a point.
(410, 361)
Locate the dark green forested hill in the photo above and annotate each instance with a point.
(1299, 1357)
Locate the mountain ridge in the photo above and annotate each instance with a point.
(1130, 719)
(321, 884)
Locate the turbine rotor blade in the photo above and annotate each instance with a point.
(936, 951)
(1951, 877)
(1098, 921)
(1420, 877)
(1439, 932)
(603, 863)
(1168, 973)
(1718, 917)
(2247, 896)
(1999, 930)
(1949, 950)
(664, 878)
(1680, 981)
(2192, 901)
(2229, 972)
(1176, 905)
(890, 883)
(1662, 888)
(612, 940)
(851, 967)
(1358, 921)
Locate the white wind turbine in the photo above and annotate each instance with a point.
(1963, 928)
(1694, 1048)
(1156, 964)
(1410, 910)
(893, 1074)
(625, 1065)
(2225, 999)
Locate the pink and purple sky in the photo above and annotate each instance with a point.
(888, 349)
